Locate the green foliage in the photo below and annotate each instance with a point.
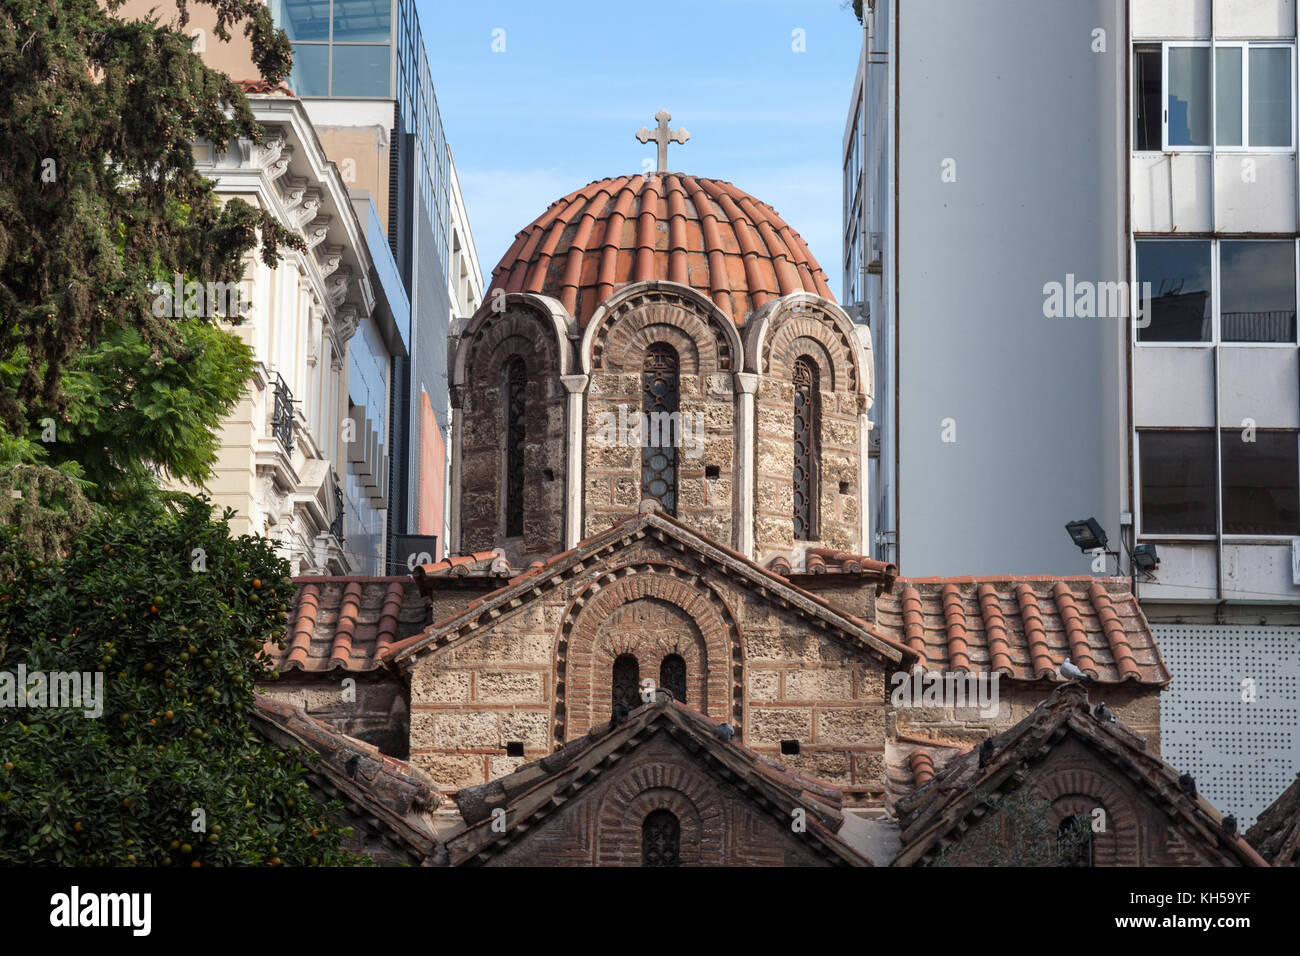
(171, 404)
(180, 649)
(99, 197)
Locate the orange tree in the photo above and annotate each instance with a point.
(173, 612)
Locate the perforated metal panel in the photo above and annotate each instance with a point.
(1242, 752)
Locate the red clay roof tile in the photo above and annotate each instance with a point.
(1025, 627)
(704, 233)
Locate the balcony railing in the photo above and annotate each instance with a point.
(282, 414)
(336, 526)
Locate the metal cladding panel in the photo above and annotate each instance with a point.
(1231, 717)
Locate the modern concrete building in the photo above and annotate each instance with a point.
(1073, 231)
(362, 69)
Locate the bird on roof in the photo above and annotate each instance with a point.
(1187, 784)
(725, 732)
(1070, 672)
(620, 715)
(986, 751)
(1103, 713)
(1230, 825)
(351, 766)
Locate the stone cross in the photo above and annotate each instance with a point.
(662, 136)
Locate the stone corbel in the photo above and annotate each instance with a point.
(305, 212)
(316, 231)
(346, 320)
(336, 287)
(330, 260)
(293, 193)
(269, 152)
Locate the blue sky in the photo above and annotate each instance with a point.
(559, 107)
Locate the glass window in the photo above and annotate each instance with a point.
(1261, 483)
(1146, 89)
(303, 19)
(360, 70)
(311, 69)
(1227, 84)
(362, 21)
(1178, 486)
(661, 839)
(1257, 291)
(1174, 278)
(1270, 96)
(1188, 96)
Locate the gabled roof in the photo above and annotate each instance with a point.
(1276, 834)
(539, 789)
(348, 623)
(1024, 627)
(935, 811)
(537, 580)
(390, 796)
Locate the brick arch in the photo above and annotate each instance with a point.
(623, 334)
(816, 351)
(661, 785)
(709, 640)
(521, 331)
(792, 334)
(1072, 790)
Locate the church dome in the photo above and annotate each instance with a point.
(703, 233)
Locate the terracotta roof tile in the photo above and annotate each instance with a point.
(704, 233)
(1025, 627)
(348, 623)
(831, 561)
(393, 797)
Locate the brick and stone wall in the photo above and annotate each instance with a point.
(375, 708)
(602, 827)
(706, 403)
(519, 331)
(1072, 780)
(795, 333)
(1137, 706)
(540, 674)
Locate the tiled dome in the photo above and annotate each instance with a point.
(704, 233)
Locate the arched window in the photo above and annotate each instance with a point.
(627, 681)
(1074, 841)
(661, 425)
(672, 676)
(516, 381)
(661, 839)
(806, 452)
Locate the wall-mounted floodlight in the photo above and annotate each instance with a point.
(1145, 557)
(1087, 534)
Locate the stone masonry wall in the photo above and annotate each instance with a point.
(706, 403)
(517, 332)
(602, 827)
(539, 674)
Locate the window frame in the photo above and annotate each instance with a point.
(1214, 46)
(1216, 331)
